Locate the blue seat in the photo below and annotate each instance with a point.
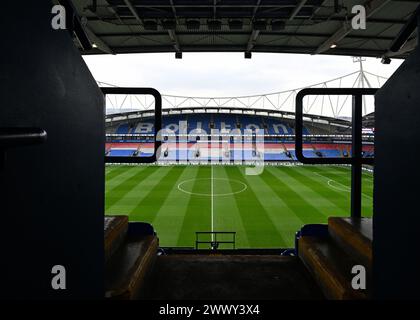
(121, 152)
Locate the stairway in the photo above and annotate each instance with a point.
(330, 258)
(321, 269)
(206, 276)
(130, 253)
(315, 151)
(134, 270)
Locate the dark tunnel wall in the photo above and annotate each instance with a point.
(52, 195)
(397, 175)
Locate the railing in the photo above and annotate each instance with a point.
(214, 242)
(157, 122)
(19, 137)
(356, 160)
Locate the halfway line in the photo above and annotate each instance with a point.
(212, 214)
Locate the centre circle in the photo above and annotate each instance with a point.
(213, 185)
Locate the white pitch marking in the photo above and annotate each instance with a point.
(212, 211)
(364, 173)
(346, 188)
(180, 188)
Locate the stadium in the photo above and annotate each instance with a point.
(222, 140)
(119, 192)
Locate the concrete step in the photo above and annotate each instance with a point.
(115, 230)
(354, 236)
(331, 268)
(127, 270)
(234, 276)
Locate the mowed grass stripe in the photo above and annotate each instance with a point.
(118, 181)
(259, 227)
(198, 214)
(365, 174)
(284, 219)
(344, 182)
(120, 178)
(322, 204)
(117, 171)
(226, 213)
(147, 208)
(168, 220)
(304, 210)
(265, 216)
(307, 177)
(120, 172)
(109, 169)
(118, 193)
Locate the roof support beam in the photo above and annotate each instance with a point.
(254, 12)
(407, 47)
(209, 5)
(252, 40)
(315, 18)
(241, 33)
(174, 40)
(255, 33)
(406, 31)
(96, 41)
(297, 9)
(133, 11)
(402, 43)
(172, 33)
(174, 11)
(214, 9)
(371, 7)
(236, 48)
(370, 20)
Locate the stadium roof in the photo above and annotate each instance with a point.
(287, 26)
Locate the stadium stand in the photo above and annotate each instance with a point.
(327, 140)
(67, 105)
(271, 152)
(207, 122)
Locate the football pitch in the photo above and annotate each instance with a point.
(264, 210)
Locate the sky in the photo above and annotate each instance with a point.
(225, 74)
(230, 75)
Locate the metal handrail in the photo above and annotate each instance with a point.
(356, 160)
(16, 137)
(157, 124)
(214, 242)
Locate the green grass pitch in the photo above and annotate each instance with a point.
(264, 210)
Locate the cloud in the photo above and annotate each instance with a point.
(227, 74)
